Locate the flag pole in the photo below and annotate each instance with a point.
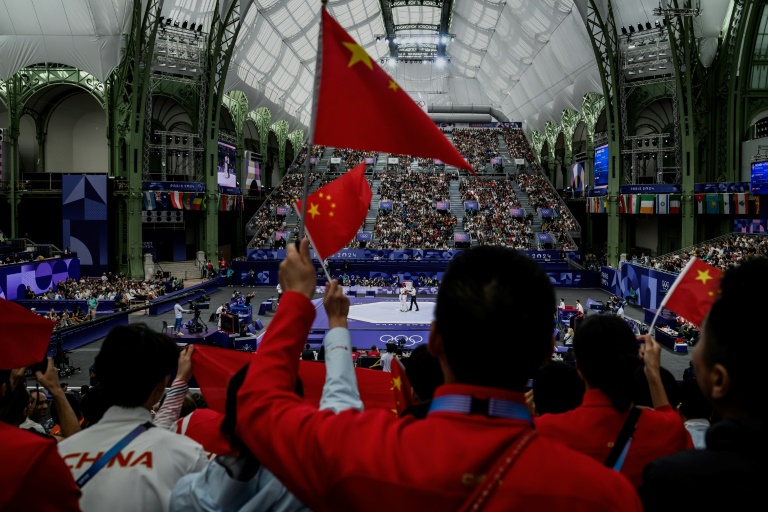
(311, 128)
(320, 259)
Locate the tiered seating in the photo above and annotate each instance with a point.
(317, 152)
(541, 194)
(477, 145)
(723, 252)
(264, 222)
(492, 223)
(518, 145)
(414, 223)
(352, 157)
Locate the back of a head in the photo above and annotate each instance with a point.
(606, 354)
(423, 372)
(723, 337)
(642, 392)
(94, 405)
(73, 401)
(693, 404)
(132, 361)
(504, 300)
(557, 388)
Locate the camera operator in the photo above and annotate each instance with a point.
(178, 312)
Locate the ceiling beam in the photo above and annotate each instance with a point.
(389, 26)
(417, 26)
(445, 22)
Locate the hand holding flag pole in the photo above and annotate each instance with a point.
(693, 292)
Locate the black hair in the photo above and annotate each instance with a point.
(94, 405)
(693, 404)
(391, 347)
(506, 299)
(723, 335)
(423, 372)
(132, 361)
(74, 402)
(607, 356)
(557, 388)
(642, 392)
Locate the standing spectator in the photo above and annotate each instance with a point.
(230, 277)
(478, 420)
(730, 472)
(386, 359)
(178, 314)
(142, 475)
(279, 292)
(251, 278)
(93, 303)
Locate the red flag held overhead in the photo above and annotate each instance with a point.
(354, 87)
(24, 338)
(336, 211)
(401, 386)
(694, 291)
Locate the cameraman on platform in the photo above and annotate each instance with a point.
(178, 311)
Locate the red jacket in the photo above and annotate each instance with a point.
(592, 428)
(32, 473)
(429, 464)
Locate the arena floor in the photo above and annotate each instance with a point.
(372, 321)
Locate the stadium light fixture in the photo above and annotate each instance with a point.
(440, 61)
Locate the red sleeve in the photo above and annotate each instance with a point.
(300, 445)
(60, 494)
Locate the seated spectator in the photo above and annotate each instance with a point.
(606, 354)
(156, 458)
(557, 388)
(425, 375)
(482, 404)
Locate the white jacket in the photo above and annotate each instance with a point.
(142, 475)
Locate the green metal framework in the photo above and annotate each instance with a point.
(551, 131)
(537, 144)
(297, 139)
(568, 122)
(262, 118)
(281, 132)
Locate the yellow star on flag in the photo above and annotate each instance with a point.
(313, 210)
(704, 276)
(393, 85)
(320, 195)
(397, 383)
(328, 197)
(333, 205)
(358, 55)
(330, 214)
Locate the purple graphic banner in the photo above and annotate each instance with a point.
(282, 210)
(39, 276)
(281, 234)
(443, 205)
(369, 160)
(461, 237)
(517, 212)
(470, 205)
(385, 205)
(439, 162)
(365, 236)
(313, 160)
(546, 212)
(496, 160)
(544, 238)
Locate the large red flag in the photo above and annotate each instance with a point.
(352, 86)
(694, 291)
(214, 366)
(24, 337)
(401, 386)
(336, 211)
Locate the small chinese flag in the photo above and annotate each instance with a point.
(694, 291)
(24, 338)
(336, 211)
(353, 86)
(401, 386)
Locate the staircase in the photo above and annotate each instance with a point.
(325, 158)
(506, 157)
(373, 211)
(457, 207)
(180, 269)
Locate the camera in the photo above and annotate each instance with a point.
(199, 306)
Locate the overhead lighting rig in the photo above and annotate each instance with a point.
(661, 10)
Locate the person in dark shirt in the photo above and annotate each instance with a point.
(307, 354)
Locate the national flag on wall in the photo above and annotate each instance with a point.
(726, 203)
(662, 204)
(622, 204)
(401, 386)
(149, 200)
(197, 202)
(603, 204)
(177, 200)
(188, 200)
(647, 202)
(674, 203)
(757, 204)
(699, 203)
(223, 205)
(634, 204)
(741, 203)
(336, 211)
(694, 291)
(713, 203)
(354, 87)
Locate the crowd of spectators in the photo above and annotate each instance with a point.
(477, 145)
(414, 222)
(317, 152)
(352, 157)
(492, 223)
(541, 194)
(722, 253)
(265, 222)
(518, 145)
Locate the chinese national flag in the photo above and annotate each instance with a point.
(353, 86)
(24, 338)
(336, 211)
(401, 387)
(694, 291)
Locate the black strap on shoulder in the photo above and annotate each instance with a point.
(625, 436)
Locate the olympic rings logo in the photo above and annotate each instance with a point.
(409, 340)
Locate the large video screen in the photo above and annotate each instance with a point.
(759, 180)
(601, 165)
(227, 165)
(253, 174)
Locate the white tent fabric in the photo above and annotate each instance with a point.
(528, 58)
